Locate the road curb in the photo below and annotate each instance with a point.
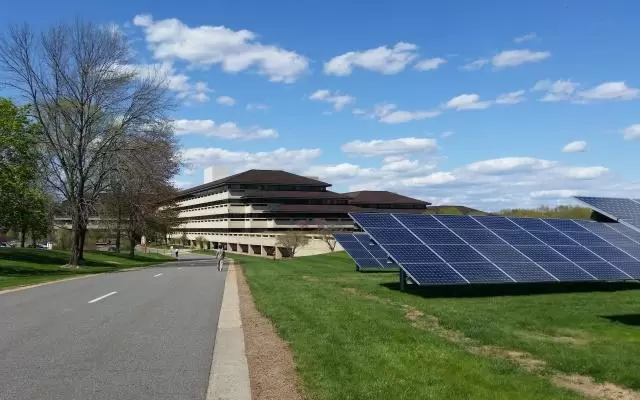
(229, 376)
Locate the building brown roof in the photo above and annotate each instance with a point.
(334, 209)
(259, 176)
(291, 194)
(381, 197)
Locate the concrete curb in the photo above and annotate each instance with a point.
(229, 376)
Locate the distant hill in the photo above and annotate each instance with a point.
(454, 210)
(571, 212)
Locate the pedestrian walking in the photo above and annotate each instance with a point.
(220, 254)
(176, 253)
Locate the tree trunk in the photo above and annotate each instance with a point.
(76, 254)
(23, 235)
(132, 249)
(118, 230)
(33, 239)
(83, 237)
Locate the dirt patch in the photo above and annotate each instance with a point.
(523, 359)
(271, 367)
(590, 388)
(368, 296)
(413, 315)
(581, 340)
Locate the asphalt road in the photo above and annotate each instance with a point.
(152, 339)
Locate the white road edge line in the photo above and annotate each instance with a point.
(180, 268)
(157, 275)
(102, 297)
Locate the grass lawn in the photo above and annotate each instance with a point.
(356, 336)
(27, 266)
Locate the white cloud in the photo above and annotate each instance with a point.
(338, 100)
(632, 132)
(554, 194)
(207, 45)
(610, 91)
(511, 97)
(525, 38)
(474, 65)
(583, 172)
(512, 58)
(400, 165)
(358, 111)
(575, 147)
(467, 102)
(446, 134)
(507, 165)
(282, 158)
(556, 91)
(383, 59)
(435, 178)
(226, 100)
(227, 130)
(176, 82)
(388, 113)
(379, 147)
(430, 64)
(257, 106)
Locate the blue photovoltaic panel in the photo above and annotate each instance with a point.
(626, 211)
(494, 249)
(364, 251)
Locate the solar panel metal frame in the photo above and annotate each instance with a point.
(623, 221)
(358, 260)
(549, 227)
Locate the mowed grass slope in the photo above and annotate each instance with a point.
(27, 266)
(353, 335)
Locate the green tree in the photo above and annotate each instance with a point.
(22, 198)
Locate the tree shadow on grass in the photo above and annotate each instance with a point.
(626, 319)
(512, 289)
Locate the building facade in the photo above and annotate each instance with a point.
(246, 212)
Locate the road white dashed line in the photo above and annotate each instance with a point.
(157, 275)
(102, 297)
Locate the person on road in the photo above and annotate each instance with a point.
(220, 256)
(176, 253)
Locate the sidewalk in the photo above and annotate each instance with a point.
(229, 377)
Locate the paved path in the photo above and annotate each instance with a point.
(145, 334)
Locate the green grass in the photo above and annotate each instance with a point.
(350, 346)
(28, 266)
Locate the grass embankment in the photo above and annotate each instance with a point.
(355, 335)
(28, 266)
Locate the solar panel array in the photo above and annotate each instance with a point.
(364, 251)
(621, 209)
(453, 249)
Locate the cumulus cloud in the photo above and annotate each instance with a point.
(379, 147)
(632, 132)
(339, 101)
(226, 130)
(555, 91)
(467, 102)
(575, 147)
(234, 51)
(385, 60)
(474, 65)
(281, 158)
(430, 64)
(511, 97)
(388, 113)
(513, 58)
(525, 38)
(507, 165)
(226, 100)
(175, 81)
(257, 106)
(610, 91)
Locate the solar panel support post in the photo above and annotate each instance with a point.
(403, 280)
(357, 267)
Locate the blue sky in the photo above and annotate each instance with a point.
(464, 102)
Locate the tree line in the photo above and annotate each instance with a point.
(84, 134)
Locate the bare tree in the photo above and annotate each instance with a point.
(88, 98)
(325, 232)
(292, 241)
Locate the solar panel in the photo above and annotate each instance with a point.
(494, 249)
(364, 251)
(625, 211)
